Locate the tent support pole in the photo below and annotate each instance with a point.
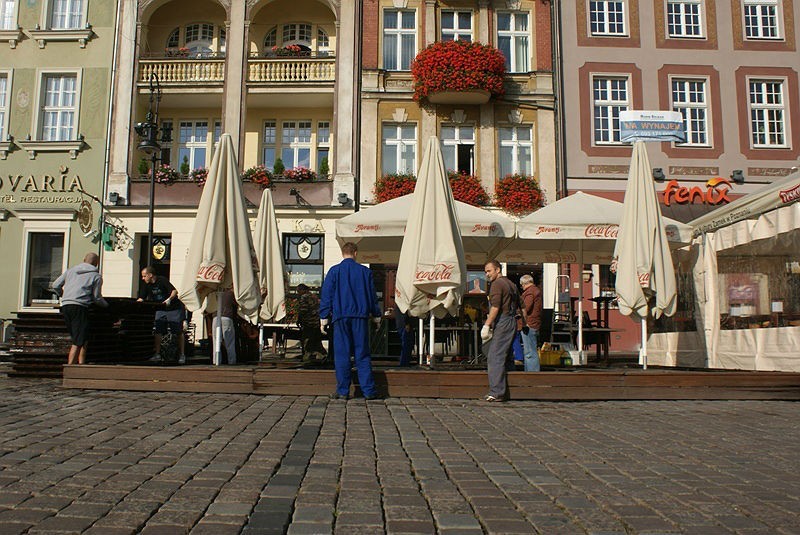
(421, 345)
(218, 332)
(644, 340)
(431, 358)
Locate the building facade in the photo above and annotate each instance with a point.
(55, 86)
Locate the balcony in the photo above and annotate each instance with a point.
(198, 71)
(301, 69)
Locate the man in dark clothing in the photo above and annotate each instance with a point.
(158, 289)
(348, 300)
(79, 287)
(500, 327)
(531, 305)
(308, 320)
(405, 330)
(228, 310)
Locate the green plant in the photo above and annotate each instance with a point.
(393, 185)
(518, 194)
(324, 170)
(143, 167)
(278, 168)
(185, 166)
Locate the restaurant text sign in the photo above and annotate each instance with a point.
(715, 192)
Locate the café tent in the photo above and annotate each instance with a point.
(221, 253)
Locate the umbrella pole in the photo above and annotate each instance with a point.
(644, 341)
(218, 333)
(421, 345)
(580, 302)
(432, 340)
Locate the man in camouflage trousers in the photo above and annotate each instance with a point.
(308, 320)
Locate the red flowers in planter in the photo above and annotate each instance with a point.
(468, 189)
(518, 194)
(393, 185)
(458, 66)
(258, 175)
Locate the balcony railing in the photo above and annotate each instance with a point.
(291, 69)
(179, 71)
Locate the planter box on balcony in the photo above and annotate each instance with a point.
(317, 193)
(467, 97)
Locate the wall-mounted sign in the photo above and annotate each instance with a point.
(651, 126)
(715, 192)
(85, 216)
(45, 189)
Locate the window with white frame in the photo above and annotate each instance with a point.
(685, 18)
(458, 147)
(4, 87)
(323, 41)
(296, 144)
(217, 132)
(66, 14)
(761, 19)
(515, 151)
(399, 39)
(456, 25)
(166, 148)
(271, 39)
(60, 107)
(8, 17)
(192, 143)
(45, 262)
(513, 40)
(297, 34)
(399, 148)
(610, 96)
(323, 144)
(268, 143)
(690, 98)
(767, 113)
(607, 17)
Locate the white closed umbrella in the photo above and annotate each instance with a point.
(272, 272)
(642, 257)
(431, 273)
(221, 253)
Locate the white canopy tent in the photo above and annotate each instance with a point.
(747, 250)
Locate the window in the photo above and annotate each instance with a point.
(66, 14)
(174, 39)
(296, 33)
(690, 98)
(323, 145)
(202, 39)
(217, 132)
(458, 147)
(3, 105)
(296, 144)
(59, 112)
(192, 143)
(399, 39)
(268, 145)
(607, 17)
(761, 19)
(609, 97)
(684, 18)
(7, 15)
(512, 40)
(45, 264)
(166, 148)
(399, 148)
(323, 41)
(767, 113)
(303, 259)
(456, 25)
(271, 39)
(516, 150)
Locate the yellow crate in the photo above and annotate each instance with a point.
(551, 357)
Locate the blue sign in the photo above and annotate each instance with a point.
(651, 126)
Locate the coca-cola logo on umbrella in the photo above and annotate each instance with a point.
(601, 231)
(211, 272)
(438, 272)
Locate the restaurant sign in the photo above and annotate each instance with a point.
(651, 126)
(45, 189)
(715, 192)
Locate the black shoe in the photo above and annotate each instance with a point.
(337, 395)
(373, 397)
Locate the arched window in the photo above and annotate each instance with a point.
(174, 39)
(200, 38)
(271, 39)
(297, 34)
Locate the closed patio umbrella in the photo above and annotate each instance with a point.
(221, 253)
(642, 256)
(431, 273)
(272, 272)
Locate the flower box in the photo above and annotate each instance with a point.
(466, 97)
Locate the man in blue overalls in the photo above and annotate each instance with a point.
(347, 300)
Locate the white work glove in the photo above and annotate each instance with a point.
(377, 321)
(322, 324)
(486, 333)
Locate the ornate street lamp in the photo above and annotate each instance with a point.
(148, 132)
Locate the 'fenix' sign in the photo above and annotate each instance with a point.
(715, 192)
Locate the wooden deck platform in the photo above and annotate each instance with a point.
(575, 384)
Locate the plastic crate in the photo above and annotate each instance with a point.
(551, 357)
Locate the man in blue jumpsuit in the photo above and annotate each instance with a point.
(347, 300)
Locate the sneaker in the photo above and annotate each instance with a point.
(373, 397)
(493, 399)
(337, 395)
(181, 359)
(155, 358)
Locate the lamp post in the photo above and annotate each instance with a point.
(149, 133)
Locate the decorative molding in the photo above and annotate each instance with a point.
(515, 117)
(684, 170)
(400, 4)
(35, 146)
(608, 169)
(400, 115)
(45, 214)
(43, 36)
(513, 4)
(12, 36)
(458, 116)
(5, 148)
(771, 171)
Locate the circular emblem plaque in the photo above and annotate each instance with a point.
(85, 216)
(159, 250)
(304, 249)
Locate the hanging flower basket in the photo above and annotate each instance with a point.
(468, 189)
(393, 185)
(258, 175)
(458, 72)
(518, 195)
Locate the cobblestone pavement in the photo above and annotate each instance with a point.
(162, 463)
